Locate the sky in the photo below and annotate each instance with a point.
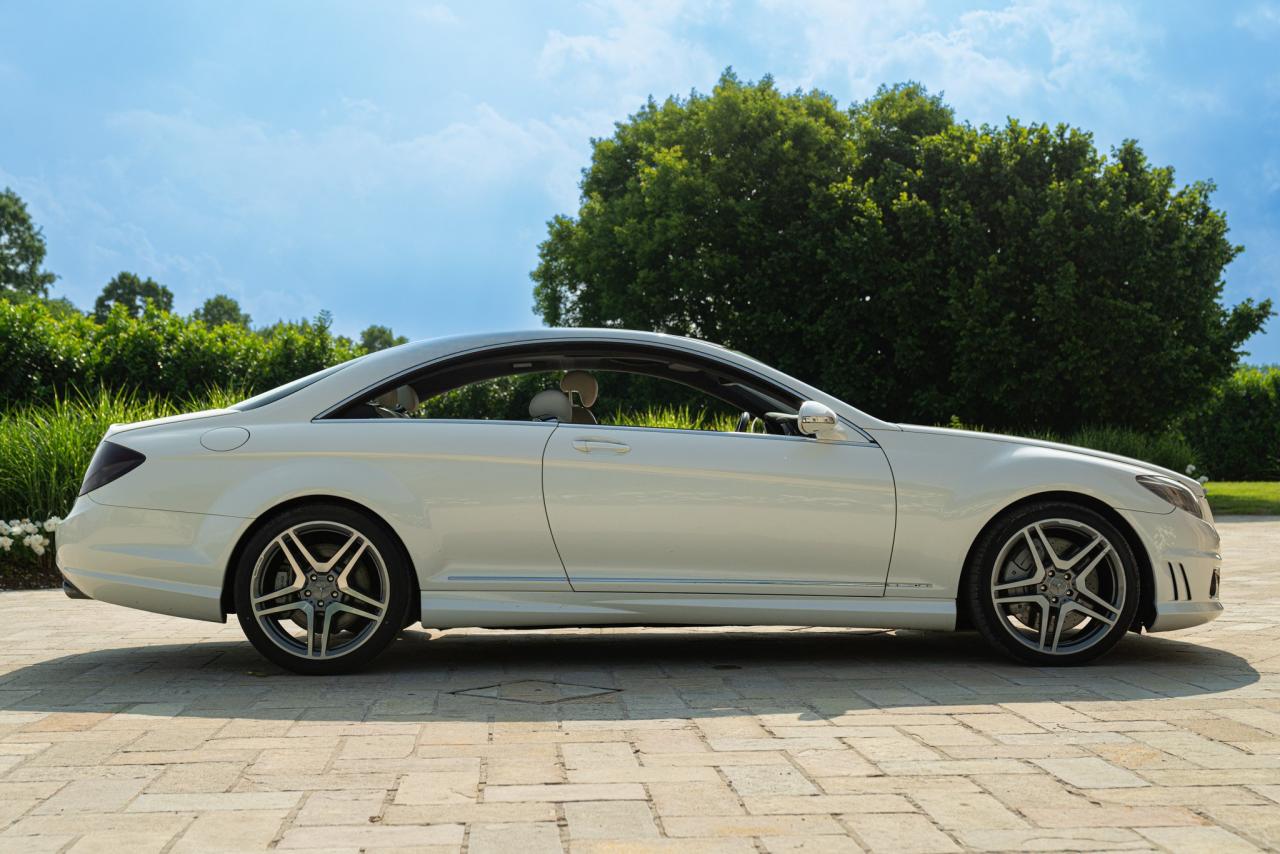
(396, 162)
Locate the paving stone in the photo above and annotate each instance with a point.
(902, 834)
(621, 820)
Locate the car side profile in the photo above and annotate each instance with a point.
(506, 481)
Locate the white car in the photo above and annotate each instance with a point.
(478, 481)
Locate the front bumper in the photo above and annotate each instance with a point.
(1186, 564)
(155, 560)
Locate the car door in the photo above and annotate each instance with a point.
(465, 495)
(691, 511)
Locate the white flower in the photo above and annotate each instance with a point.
(51, 524)
(38, 549)
(14, 523)
(4, 528)
(1191, 468)
(5, 543)
(1204, 478)
(30, 527)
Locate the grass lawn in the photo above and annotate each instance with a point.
(1248, 498)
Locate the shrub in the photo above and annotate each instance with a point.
(1237, 433)
(49, 354)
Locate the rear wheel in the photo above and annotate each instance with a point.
(1053, 584)
(322, 589)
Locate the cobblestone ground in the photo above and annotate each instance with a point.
(122, 731)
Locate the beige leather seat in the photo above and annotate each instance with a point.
(584, 385)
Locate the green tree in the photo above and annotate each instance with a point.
(22, 250)
(916, 266)
(132, 292)
(375, 338)
(219, 309)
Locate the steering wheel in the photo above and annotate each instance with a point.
(744, 423)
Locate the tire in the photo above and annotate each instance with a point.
(348, 577)
(1052, 584)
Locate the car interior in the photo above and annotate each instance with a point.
(568, 383)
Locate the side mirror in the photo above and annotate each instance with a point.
(818, 420)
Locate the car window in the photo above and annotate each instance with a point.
(620, 399)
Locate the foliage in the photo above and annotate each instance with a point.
(45, 448)
(133, 293)
(156, 354)
(678, 418)
(1247, 498)
(1238, 429)
(219, 309)
(22, 250)
(908, 263)
(375, 338)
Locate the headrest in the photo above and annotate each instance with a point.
(402, 399)
(583, 383)
(551, 405)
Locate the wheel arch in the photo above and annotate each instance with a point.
(228, 573)
(1146, 605)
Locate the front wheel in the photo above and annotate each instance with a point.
(1053, 584)
(322, 589)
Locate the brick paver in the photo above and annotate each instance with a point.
(123, 731)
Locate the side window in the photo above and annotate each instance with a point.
(498, 399)
(595, 397)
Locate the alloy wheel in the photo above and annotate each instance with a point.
(319, 590)
(1058, 586)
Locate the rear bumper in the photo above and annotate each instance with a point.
(1185, 557)
(154, 560)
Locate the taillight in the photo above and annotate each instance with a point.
(109, 462)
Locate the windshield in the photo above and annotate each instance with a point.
(289, 388)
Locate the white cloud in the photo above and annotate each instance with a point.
(1263, 20)
(435, 13)
(637, 49)
(987, 61)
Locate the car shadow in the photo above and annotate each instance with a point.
(620, 674)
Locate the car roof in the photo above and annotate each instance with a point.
(375, 368)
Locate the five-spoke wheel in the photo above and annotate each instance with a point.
(321, 589)
(1053, 584)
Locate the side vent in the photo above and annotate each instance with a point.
(1213, 582)
(1173, 579)
(1186, 585)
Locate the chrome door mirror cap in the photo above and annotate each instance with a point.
(820, 421)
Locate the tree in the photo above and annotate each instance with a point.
(22, 250)
(375, 338)
(916, 266)
(132, 292)
(219, 309)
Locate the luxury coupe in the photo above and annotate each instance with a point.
(512, 480)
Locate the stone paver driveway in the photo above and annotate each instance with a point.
(122, 731)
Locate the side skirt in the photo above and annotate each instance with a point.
(521, 609)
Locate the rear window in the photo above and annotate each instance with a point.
(281, 392)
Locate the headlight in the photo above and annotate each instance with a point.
(1173, 492)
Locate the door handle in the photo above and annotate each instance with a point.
(586, 446)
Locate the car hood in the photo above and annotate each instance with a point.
(1190, 482)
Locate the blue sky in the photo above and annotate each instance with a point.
(396, 162)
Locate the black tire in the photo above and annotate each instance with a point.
(383, 551)
(1026, 642)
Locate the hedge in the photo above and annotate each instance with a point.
(47, 355)
(1237, 432)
